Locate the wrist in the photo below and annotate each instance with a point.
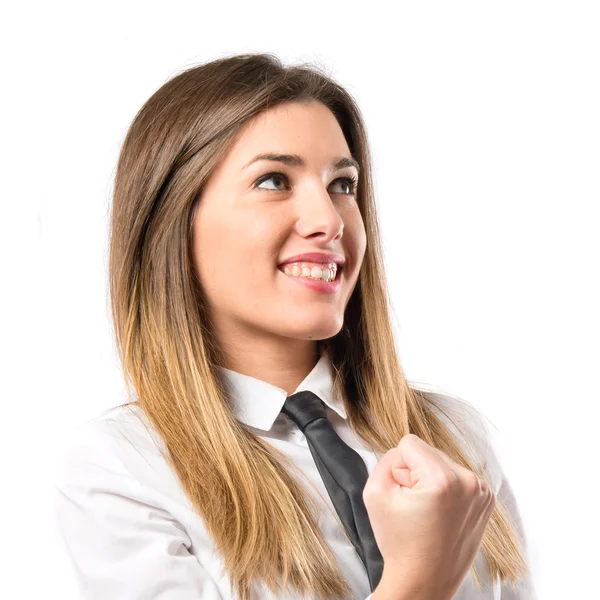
(394, 588)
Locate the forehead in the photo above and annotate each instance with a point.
(308, 129)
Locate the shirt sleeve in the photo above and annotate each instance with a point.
(482, 450)
(524, 589)
(121, 544)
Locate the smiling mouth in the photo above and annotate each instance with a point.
(327, 273)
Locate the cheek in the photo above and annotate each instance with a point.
(234, 259)
(214, 249)
(356, 237)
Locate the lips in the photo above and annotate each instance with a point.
(317, 285)
(315, 257)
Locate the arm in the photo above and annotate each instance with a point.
(524, 589)
(120, 544)
(472, 424)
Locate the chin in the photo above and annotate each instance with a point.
(321, 331)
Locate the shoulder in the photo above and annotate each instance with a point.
(113, 448)
(470, 427)
(112, 431)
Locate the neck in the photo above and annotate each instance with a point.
(285, 364)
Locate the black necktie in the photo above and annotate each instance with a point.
(343, 472)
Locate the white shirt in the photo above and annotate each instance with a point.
(130, 531)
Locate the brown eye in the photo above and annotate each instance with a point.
(351, 183)
(278, 177)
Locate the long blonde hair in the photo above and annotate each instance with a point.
(261, 518)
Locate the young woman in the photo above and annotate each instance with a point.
(246, 267)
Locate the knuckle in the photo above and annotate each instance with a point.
(485, 488)
(471, 483)
(409, 438)
(444, 481)
(370, 492)
(366, 495)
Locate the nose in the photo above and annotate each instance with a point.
(317, 214)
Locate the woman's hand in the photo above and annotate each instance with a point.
(428, 516)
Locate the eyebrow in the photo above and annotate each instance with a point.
(293, 160)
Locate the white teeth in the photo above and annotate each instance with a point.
(327, 273)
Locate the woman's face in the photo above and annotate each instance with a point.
(249, 223)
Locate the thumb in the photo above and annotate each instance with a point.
(402, 476)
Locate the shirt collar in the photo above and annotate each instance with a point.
(258, 403)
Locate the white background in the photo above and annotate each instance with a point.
(484, 120)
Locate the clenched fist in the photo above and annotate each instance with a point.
(428, 516)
